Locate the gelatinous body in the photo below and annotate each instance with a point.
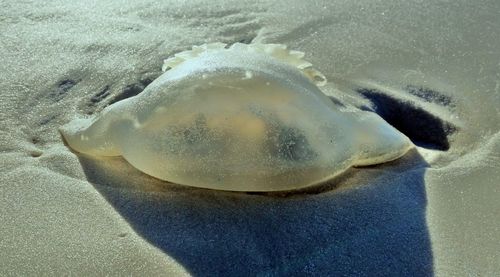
(244, 118)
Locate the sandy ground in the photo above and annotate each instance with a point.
(430, 68)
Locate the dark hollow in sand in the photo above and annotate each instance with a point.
(422, 127)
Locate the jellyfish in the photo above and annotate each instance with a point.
(245, 117)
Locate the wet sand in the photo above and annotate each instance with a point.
(431, 69)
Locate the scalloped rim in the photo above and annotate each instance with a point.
(277, 51)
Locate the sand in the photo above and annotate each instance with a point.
(430, 68)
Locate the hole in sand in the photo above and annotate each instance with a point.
(422, 127)
(132, 90)
(98, 97)
(66, 85)
(62, 88)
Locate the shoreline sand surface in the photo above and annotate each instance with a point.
(429, 68)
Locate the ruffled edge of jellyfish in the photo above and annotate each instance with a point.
(277, 51)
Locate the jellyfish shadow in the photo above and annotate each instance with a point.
(371, 221)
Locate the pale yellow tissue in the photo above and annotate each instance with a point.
(240, 118)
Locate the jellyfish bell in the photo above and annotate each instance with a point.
(239, 118)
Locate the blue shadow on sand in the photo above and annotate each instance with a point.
(374, 229)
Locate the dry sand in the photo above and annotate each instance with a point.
(431, 68)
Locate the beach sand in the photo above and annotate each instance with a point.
(430, 68)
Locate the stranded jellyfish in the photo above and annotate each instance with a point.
(249, 117)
